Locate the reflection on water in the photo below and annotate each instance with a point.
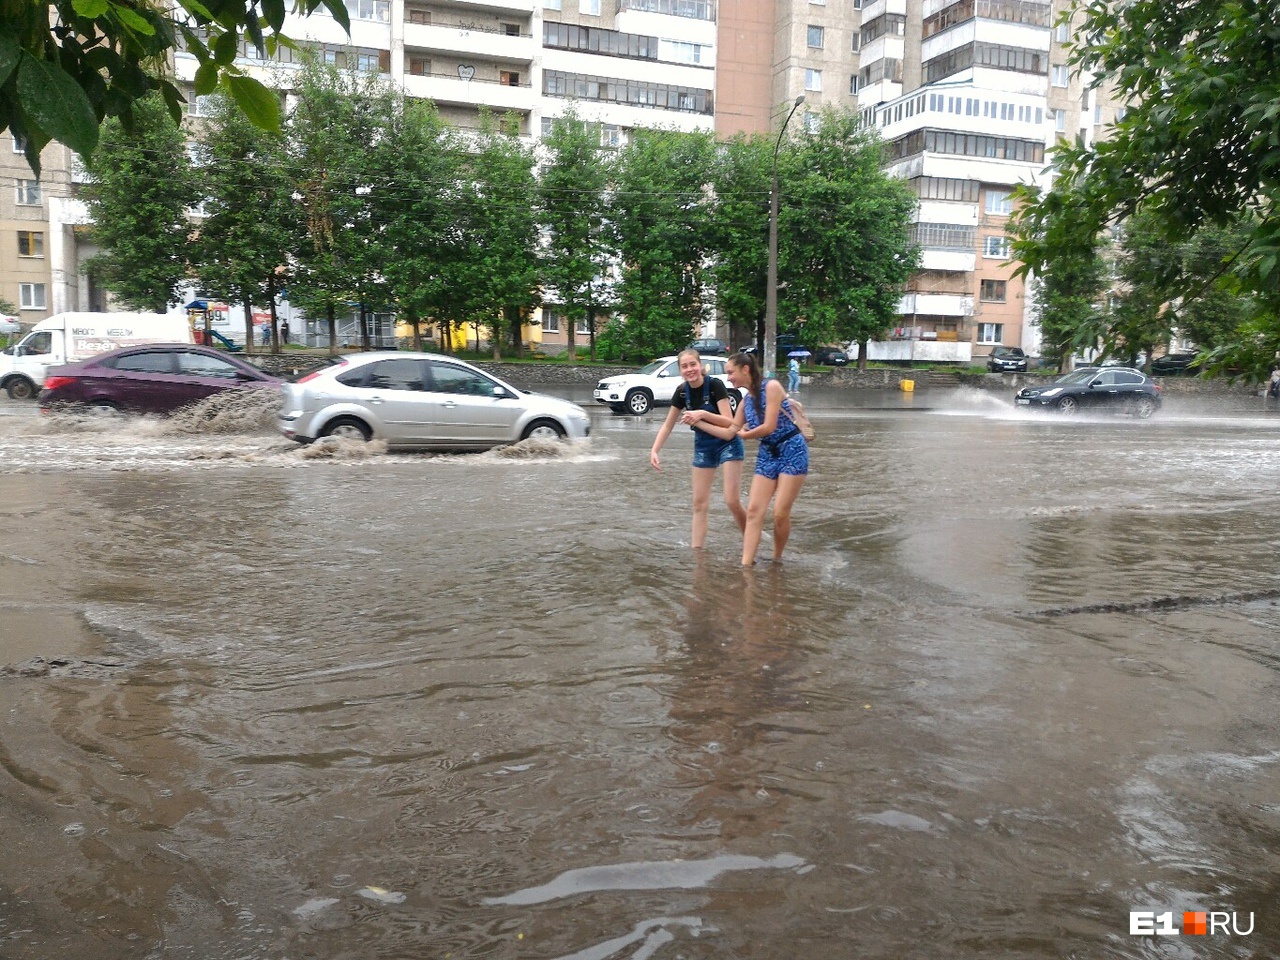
(1017, 679)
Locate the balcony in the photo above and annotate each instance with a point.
(469, 40)
(935, 305)
(954, 261)
(453, 89)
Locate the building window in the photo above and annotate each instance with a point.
(857, 40)
(815, 37)
(997, 247)
(677, 51)
(853, 85)
(419, 66)
(589, 7)
(1062, 32)
(1059, 118)
(19, 145)
(582, 327)
(550, 4)
(999, 203)
(813, 81)
(610, 135)
(1059, 76)
(511, 29)
(30, 243)
(508, 78)
(990, 332)
(550, 321)
(420, 16)
(29, 192)
(993, 291)
(377, 10)
(31, 296)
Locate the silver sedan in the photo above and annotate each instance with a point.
(422, 400)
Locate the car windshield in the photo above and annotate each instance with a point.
(653, 367)
(1078, 376)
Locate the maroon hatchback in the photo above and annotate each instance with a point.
(156, 378)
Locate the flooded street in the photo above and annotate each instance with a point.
(1017, 678)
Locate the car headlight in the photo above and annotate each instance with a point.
(1052, 392)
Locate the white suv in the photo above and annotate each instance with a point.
(652, 385)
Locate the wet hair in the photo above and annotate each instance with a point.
(753, 370)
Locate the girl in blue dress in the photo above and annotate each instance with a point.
(782, 462)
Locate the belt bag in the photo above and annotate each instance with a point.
(774, 445)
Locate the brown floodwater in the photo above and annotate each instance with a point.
(1016, 679)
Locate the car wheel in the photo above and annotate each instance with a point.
(1144, 407)
(21, 389)
(1068, 406)
(543, 430)
(639, 402)
(102, 408)
(347, 428)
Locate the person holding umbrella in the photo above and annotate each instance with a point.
(793, 374)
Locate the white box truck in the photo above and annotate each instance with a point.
(68, 337)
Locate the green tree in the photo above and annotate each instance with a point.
(571, 208)
(336, 122)
(506, 232)
(250, 231)
(1196, 147)
(848, 249)
(138, 195)
(492, 273)
(740, 233)
(662, 221)
(414, 171)
(67, 65)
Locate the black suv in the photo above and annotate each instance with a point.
(1007, 360)
(830, 357)
(709, 347)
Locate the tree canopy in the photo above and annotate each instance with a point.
(68, 65)
(1197, 146)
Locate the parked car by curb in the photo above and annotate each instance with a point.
(652, 385)
(1173, 364)
(1007, 360)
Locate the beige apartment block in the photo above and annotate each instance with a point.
(39, 268)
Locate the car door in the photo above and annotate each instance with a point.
(394, 392)
(471, 408)
(202, 375)
(667, 381)
(146, 381)
(1104, 390)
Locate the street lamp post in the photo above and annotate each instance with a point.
(769, 347)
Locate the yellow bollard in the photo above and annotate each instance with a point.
(908, 386)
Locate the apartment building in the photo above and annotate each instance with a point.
(970, 97)
(39, 248)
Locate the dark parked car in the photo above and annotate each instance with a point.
(1113, 389)
(709, 347)
(156, 378)
(1007, 360)
(830, 357)
(1172, 364)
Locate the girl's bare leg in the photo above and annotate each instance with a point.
(702, 480)
(788, 490)
(733, 492)
(757, 504)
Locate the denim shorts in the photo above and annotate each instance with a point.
(710, 452)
